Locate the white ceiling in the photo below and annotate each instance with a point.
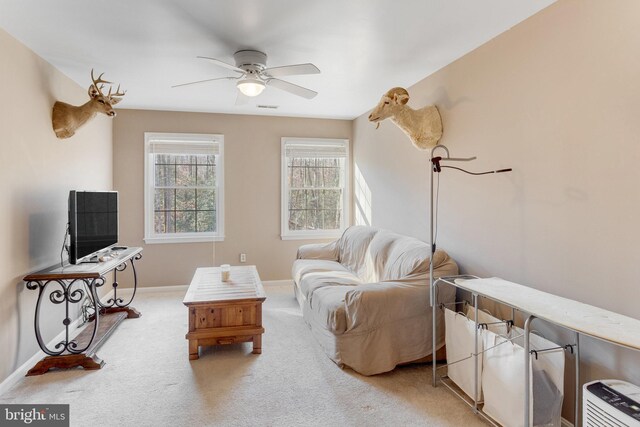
(362, 47)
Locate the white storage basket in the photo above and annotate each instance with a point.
(503, 380)
(459, 339)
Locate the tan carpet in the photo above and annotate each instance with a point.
(148, 379)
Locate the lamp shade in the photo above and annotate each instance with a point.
(250, 86)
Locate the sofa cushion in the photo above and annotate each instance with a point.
(311, 274)
(381, 246)
(353, 251)
(407, 256)
(303, 266)
(414, 261)
(312, 281)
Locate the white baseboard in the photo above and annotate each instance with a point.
(21, 371)
(566, 423)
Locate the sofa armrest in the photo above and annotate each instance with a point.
(327, 251)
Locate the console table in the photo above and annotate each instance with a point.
(581, 319)
(71, 284)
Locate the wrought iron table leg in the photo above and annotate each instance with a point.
(116, 304)
(77, 354)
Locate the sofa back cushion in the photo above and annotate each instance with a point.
(376, 255)
(353, 248)
(403, 256)
(383, 245)
(396, 256)
(407, 256)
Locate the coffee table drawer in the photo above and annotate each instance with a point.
(224, 316)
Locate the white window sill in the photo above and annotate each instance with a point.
(183, 239)
(309, 236)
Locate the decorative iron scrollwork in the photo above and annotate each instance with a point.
(117, 301)
(64, 295)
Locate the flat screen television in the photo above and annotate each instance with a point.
(93, 223)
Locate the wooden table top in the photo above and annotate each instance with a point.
(207, 286)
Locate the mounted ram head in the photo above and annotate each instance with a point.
(423, 126)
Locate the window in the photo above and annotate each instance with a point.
(184, 177)
(315, 187)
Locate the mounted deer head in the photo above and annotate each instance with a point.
(67, 118)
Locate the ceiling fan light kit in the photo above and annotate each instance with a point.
(254, 76)
(250, 86)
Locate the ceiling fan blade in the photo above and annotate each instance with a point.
(205, 81)
(291, 88)
(292, 70)
(223, 64)
(241, 98)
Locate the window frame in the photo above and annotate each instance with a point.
(285, 233)
(150, 237)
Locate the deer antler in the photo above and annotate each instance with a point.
(98, 84)
(118, 93)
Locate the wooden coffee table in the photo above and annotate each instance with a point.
(224, 312)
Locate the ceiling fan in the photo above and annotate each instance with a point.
(253, 75)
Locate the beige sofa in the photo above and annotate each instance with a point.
(366, 297)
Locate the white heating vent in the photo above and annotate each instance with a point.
(610, 403)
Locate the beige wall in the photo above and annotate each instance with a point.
(252, 190)
(37, 171)
(558, 99)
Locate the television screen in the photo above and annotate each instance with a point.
(93, 222)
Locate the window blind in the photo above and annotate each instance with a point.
(159, 146)
(310, 150)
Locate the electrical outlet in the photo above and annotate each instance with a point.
(243, 257)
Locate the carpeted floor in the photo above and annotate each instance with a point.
(148, 379)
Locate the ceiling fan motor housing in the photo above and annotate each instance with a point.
(250, 60)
